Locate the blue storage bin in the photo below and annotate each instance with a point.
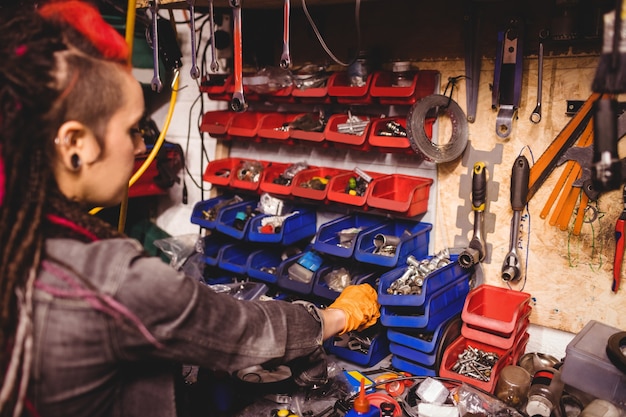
(432, 283)
(234, 257)
(297, 227)
(359, 276)
(212, 245)
(261, 259)
(289, 284)
(440, 307)
(413, 236)
(411, 367)
(228, 217)
(378, 350)
(197, 216)
(426, 359)
(327, 237)
(426, 342)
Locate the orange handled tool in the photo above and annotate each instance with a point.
(620, 230)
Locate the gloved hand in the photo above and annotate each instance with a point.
(360, 303)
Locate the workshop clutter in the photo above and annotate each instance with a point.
(399, 194)
(493, 335)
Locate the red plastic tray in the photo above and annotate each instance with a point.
(246, 184)
(400, 193)
(451, 355)
(217, 89)
(216, 122)
(333, 135)
(245, 124)
(340, 88)
(271, 123)
(270, 173)
(337, 189)
(219, 171)
(312, 95)
(383, 89)
(495, 309)
(394, 143)
(308, 174)
(305, 134)
(497, 339)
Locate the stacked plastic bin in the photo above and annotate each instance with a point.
(418, 325)
(495, 322)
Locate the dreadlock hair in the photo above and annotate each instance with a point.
(58, 63)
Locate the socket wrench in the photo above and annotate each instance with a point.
(477, 248)
(519, 194)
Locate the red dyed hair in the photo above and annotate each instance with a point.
(87, 20)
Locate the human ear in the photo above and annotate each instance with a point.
(76, 145)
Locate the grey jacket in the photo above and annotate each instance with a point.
(111, 324)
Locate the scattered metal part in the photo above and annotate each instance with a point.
(476, 363)
(353, 126)
(392, 129)
(413, 278)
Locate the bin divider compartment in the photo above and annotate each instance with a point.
(328, 239)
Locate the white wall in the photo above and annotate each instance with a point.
(174, 217)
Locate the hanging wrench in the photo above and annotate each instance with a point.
(285, 59)
(214, 65)
(194, 72)
(238, 102)
(156, 83)
(477, 248)
(519, 193)
(535, 116)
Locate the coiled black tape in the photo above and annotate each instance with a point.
(614, 350)
(422, 144)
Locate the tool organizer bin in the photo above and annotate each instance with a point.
(504, 341)
(411, 367)
(217, 122)
(315, 95)
(272, 173)
(332, 134)
(327, 238)
(283, 280)
(262, 261)
(245, 124)
(400, 193)
(434, 282)
(495, 309)
(427, 342)
(302, 224)
(339, 88)
(212, 244)
(439, 307)
(216, 86)
(271, 126)
(358, 276)
(228, 217)
(378, 350)
(413, 236)
(219, 171)
(247, 184)
(197, 215)
(234, 257)
(306, 135)
(339, 184)
(306, 175)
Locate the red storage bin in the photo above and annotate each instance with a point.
(340, 88)
(312, 95)
(427, 81)
(394, 143)
(504, 341)
(307, 135)
(306, 175)
(245, 124)
(339, 183)
(249, 180)
(272, 126)
(400, 193)
(332, 134)
(217, 122)
(218, 172)
(216, 86)
(451, 355)
(387, 93)
(495, 309)
(271, 173)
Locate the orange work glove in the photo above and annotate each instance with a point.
(360, 303)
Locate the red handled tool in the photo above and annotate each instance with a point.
(620, 230)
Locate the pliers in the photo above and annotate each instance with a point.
(620, 231)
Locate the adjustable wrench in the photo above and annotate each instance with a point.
(156, 83)
(194, 72)
(285, 59)
(214, 65)
(535, 116)
(477, 248)
(238, 102)
(519, 192)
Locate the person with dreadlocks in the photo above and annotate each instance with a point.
(89, 324)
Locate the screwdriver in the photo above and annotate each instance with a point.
(619, 245)
(477, 249)
(519, 193)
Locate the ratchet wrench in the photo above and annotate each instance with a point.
(535, 116)
(214, 65)
(195, 71)
(156, 83)
(285, 58)
(477, 248)
(519, 193)
(238, 102)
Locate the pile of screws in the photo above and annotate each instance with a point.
(211, 213)
(412, 280)
(392, 129)
(353, 126)
(476, 363)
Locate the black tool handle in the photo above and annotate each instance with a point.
(479, 186)
(519, 183)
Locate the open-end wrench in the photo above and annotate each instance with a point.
(285, 58)
(156, 83)
(519, 192)
(194, 71)
(535, 116)
(238, 102)
(214, 65)
(477, 248)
